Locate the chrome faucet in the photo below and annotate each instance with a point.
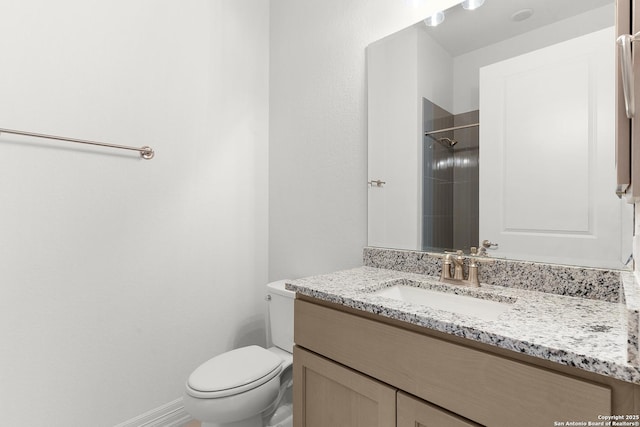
(457, 262)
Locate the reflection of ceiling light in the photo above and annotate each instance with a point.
(435, 19)
(521, 15)
(472, 4)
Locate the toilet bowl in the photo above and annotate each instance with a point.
(249, 386)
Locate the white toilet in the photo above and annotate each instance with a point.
(249, 386)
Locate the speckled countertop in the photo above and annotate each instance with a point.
(589, 334)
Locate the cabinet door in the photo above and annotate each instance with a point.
(413, 412)
(326, 394)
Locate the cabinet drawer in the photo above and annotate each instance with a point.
(414, 412)
(482, 387)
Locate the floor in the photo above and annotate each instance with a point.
(193, 424)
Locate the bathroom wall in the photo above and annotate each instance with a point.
(119, 275)
(318, 127)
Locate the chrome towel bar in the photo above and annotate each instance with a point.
(146, 152)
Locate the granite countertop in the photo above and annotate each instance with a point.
(588, 334)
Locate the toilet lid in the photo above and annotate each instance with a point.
(235, 371)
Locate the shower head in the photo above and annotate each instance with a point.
(448, 141)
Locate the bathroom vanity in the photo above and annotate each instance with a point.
(362, 359)
(561, 347)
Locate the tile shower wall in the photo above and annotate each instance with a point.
(465, 181)
(438, 178)
(450, 180)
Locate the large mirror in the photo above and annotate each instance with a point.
(498, 126)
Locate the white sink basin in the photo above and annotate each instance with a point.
(461, 304)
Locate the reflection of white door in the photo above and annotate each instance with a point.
(547, 172)
(401, 70)
(394, 135)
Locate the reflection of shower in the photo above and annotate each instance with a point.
(450, 129)
(449, 178)
(447, 142)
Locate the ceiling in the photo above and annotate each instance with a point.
(464, 30)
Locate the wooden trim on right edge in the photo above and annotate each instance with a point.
(635, 122)
(623, 124)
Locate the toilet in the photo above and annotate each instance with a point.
(249, 386)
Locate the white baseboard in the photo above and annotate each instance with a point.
(170, 415)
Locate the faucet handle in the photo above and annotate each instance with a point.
(446, 267)
(473, 272)
(456, 253)
(458, 264)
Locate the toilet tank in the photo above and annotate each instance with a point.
(281, 315)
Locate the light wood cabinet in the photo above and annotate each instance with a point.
(328, 394)
(413, 412)
(456, 382)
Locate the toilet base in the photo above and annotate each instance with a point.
(282, 418)
(249, 422)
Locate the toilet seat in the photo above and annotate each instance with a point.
(234, 372)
